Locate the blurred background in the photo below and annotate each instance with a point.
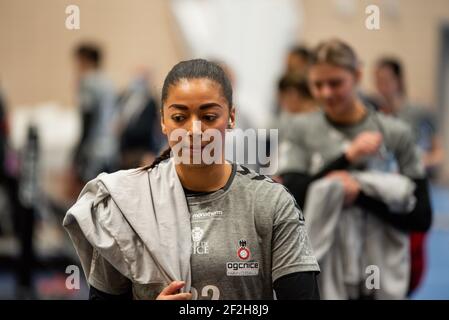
(78, 99)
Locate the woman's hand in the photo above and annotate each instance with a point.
(350, 185)
(365, 144)
(171, 292)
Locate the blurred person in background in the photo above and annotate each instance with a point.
(17, 185)
(298, 59)
(392, 97)
(360, 180)
(294, 95)
(138, 124)
(4, 130)
(392, 100)
(97, 147)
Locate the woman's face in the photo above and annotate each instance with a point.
(290, 100)
(333, 87)
(196, 100)
(386, 82)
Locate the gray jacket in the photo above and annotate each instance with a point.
(138, 221)
(351, 244)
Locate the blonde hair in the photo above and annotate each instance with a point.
(337, 53)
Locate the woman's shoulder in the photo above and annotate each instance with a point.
(306, 119)
(397, 134)
(112, 185)
(120, 176)
(393, 125)
(266, 192)
(250, 176)
(298, 126)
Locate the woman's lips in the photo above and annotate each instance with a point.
(195, 148)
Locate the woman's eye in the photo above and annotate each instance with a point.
(335, 83)
(210, 117)
(178, 118)
(317, 85)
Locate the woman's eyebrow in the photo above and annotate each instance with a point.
(210, 105)
(178, 106)
(202, 107)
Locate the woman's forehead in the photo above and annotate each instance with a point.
(195, 91)
(326, 70)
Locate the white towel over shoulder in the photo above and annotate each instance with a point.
(138, 221)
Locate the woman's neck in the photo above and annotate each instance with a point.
(307, 106)
(393, 104)
(356, 112)
(205, 178)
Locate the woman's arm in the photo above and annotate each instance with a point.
(419, 219)
(297, 286)
(364, 144)
(294, 266)
(106, 282)
(298, 182)
(95, 294)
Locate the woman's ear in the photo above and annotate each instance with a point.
(231, 123)
(164, 129)
(358, 76)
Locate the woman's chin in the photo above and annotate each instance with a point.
(194, 161)
(335, 110)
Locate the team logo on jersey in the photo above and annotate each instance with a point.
(243, 252)
(198, 246)
(245, 268)
(197, 234)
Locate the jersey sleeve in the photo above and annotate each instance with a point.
(104, 277)
(408, 155)
(291, 248)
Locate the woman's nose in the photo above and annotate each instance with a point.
(195, 127)
(326, 91)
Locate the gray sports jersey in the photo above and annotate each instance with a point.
(311, 141)
(244, 237)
